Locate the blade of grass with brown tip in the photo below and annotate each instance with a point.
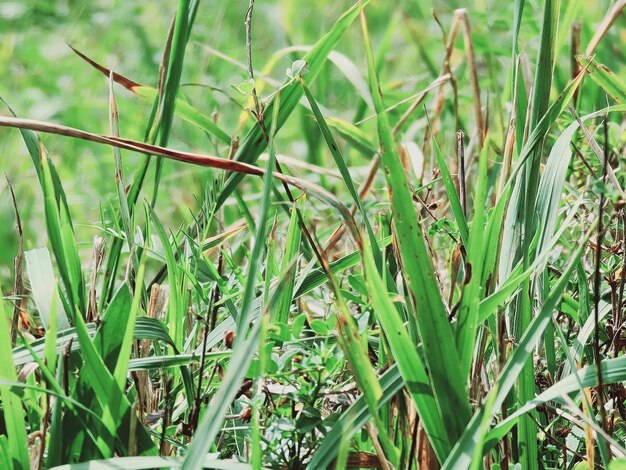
(183, 109)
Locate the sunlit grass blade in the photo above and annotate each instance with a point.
(352, 345)
(63, 242)
(554, 176)
(211, 422)
(40, 273)
(355, 136)
(440, 351)
(288, 267)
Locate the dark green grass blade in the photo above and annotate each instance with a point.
(409, 363)
(288, 269)
(469, 321)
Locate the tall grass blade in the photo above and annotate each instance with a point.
(440, 351)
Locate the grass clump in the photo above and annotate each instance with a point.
(406, 251)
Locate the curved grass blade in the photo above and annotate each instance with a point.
(613, 371)
(343, 169)
(182, 108)
(353, 135)
(188, 157)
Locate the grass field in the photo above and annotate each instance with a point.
(306, 235)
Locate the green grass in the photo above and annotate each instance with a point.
(213, 272)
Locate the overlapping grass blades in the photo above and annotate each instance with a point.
(441, 354)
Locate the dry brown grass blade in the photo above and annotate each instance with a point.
(589, 439)
(448, 40)
(187, 157)
(128, 144)
(121, 79)
(575, 32)
(609, 19)
(215, 242)
(363, 192)
(471, 61)
(418, 100)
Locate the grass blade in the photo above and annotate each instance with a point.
(440, 351)
(12, 411)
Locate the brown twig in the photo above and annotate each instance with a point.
(611, 17)
(258, 111)
(448, 42)
(471, 61)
